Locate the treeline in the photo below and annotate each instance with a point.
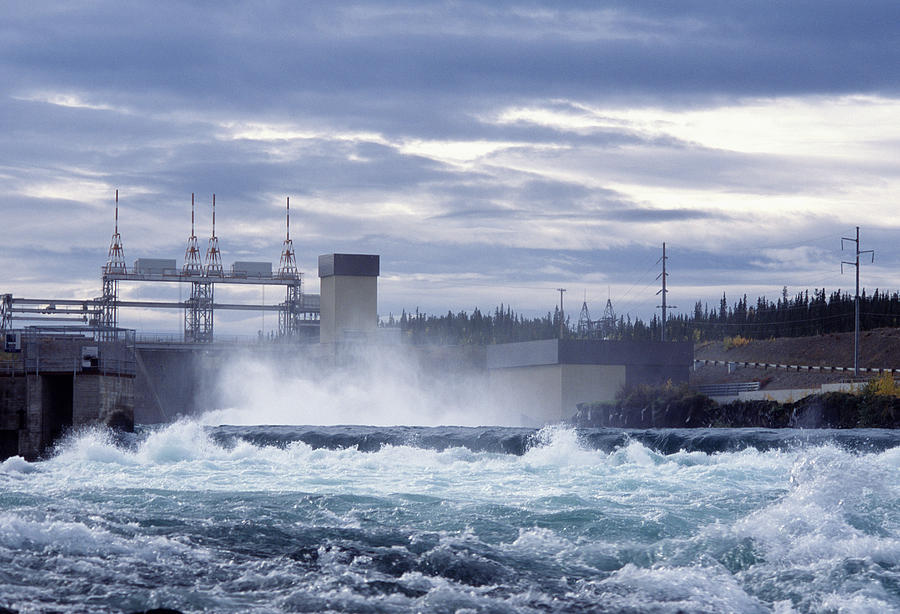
(804, 314)
(502, 326)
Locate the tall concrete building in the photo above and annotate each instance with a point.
(349, 297)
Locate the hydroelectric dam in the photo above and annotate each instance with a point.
(67, 363)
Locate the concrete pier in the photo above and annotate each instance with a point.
(52, 382)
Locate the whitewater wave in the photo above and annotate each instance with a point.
(405, 519)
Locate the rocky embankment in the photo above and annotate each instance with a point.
(829, 410)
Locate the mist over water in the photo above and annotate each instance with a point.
(255, 519)
(376, 386)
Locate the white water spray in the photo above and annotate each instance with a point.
(376, 386)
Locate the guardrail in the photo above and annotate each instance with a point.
(814, 368)
(727, 390)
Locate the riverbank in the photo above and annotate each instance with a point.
(877, 406)
(879, 349)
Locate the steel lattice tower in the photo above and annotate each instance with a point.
(287, 267)
(608, 322)
(289, 316)
(585, 325)
(213, 255)
(115, 264)
(192, 264)
(198, 309)
(115, 261)
(5, 312)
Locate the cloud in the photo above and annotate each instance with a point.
(488, 151)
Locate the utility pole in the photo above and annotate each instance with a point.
(663, 291)
(562, 316)
(856, 326)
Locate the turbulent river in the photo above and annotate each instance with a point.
(418, 519)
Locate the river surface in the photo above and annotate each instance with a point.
(418, 519)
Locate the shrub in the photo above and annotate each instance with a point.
(735, 342)
(882, 386)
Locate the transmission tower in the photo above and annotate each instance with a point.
(290, 314)
(585, 325)
(213, 255)
(856, 325)
(287, 267)
(115, 261)
(115, 264)
(5, 312)
(608, 323)
(192, 264)
(198, 309)
(664, 292)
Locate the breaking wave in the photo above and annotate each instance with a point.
(403, 519)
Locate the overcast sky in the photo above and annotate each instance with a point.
(489, 152)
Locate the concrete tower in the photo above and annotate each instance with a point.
(349, 297)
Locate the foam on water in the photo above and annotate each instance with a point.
(181, 518)
(16, 464)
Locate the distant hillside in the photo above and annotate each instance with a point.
(879, 348)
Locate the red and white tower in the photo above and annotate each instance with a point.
(192, 263)
(290, 315)
(213, 255)
(198, 309)
(287, 268)
(107, 321)
(115, 262)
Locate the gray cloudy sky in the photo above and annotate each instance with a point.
(490, 152)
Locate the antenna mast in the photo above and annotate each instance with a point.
(192, 264)
(213, 255)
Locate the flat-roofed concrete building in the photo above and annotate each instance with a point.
(545, 380)
(348, 309)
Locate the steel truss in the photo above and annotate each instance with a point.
(198, 313)
(5, 312)
(291, 314)
(107, 322)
